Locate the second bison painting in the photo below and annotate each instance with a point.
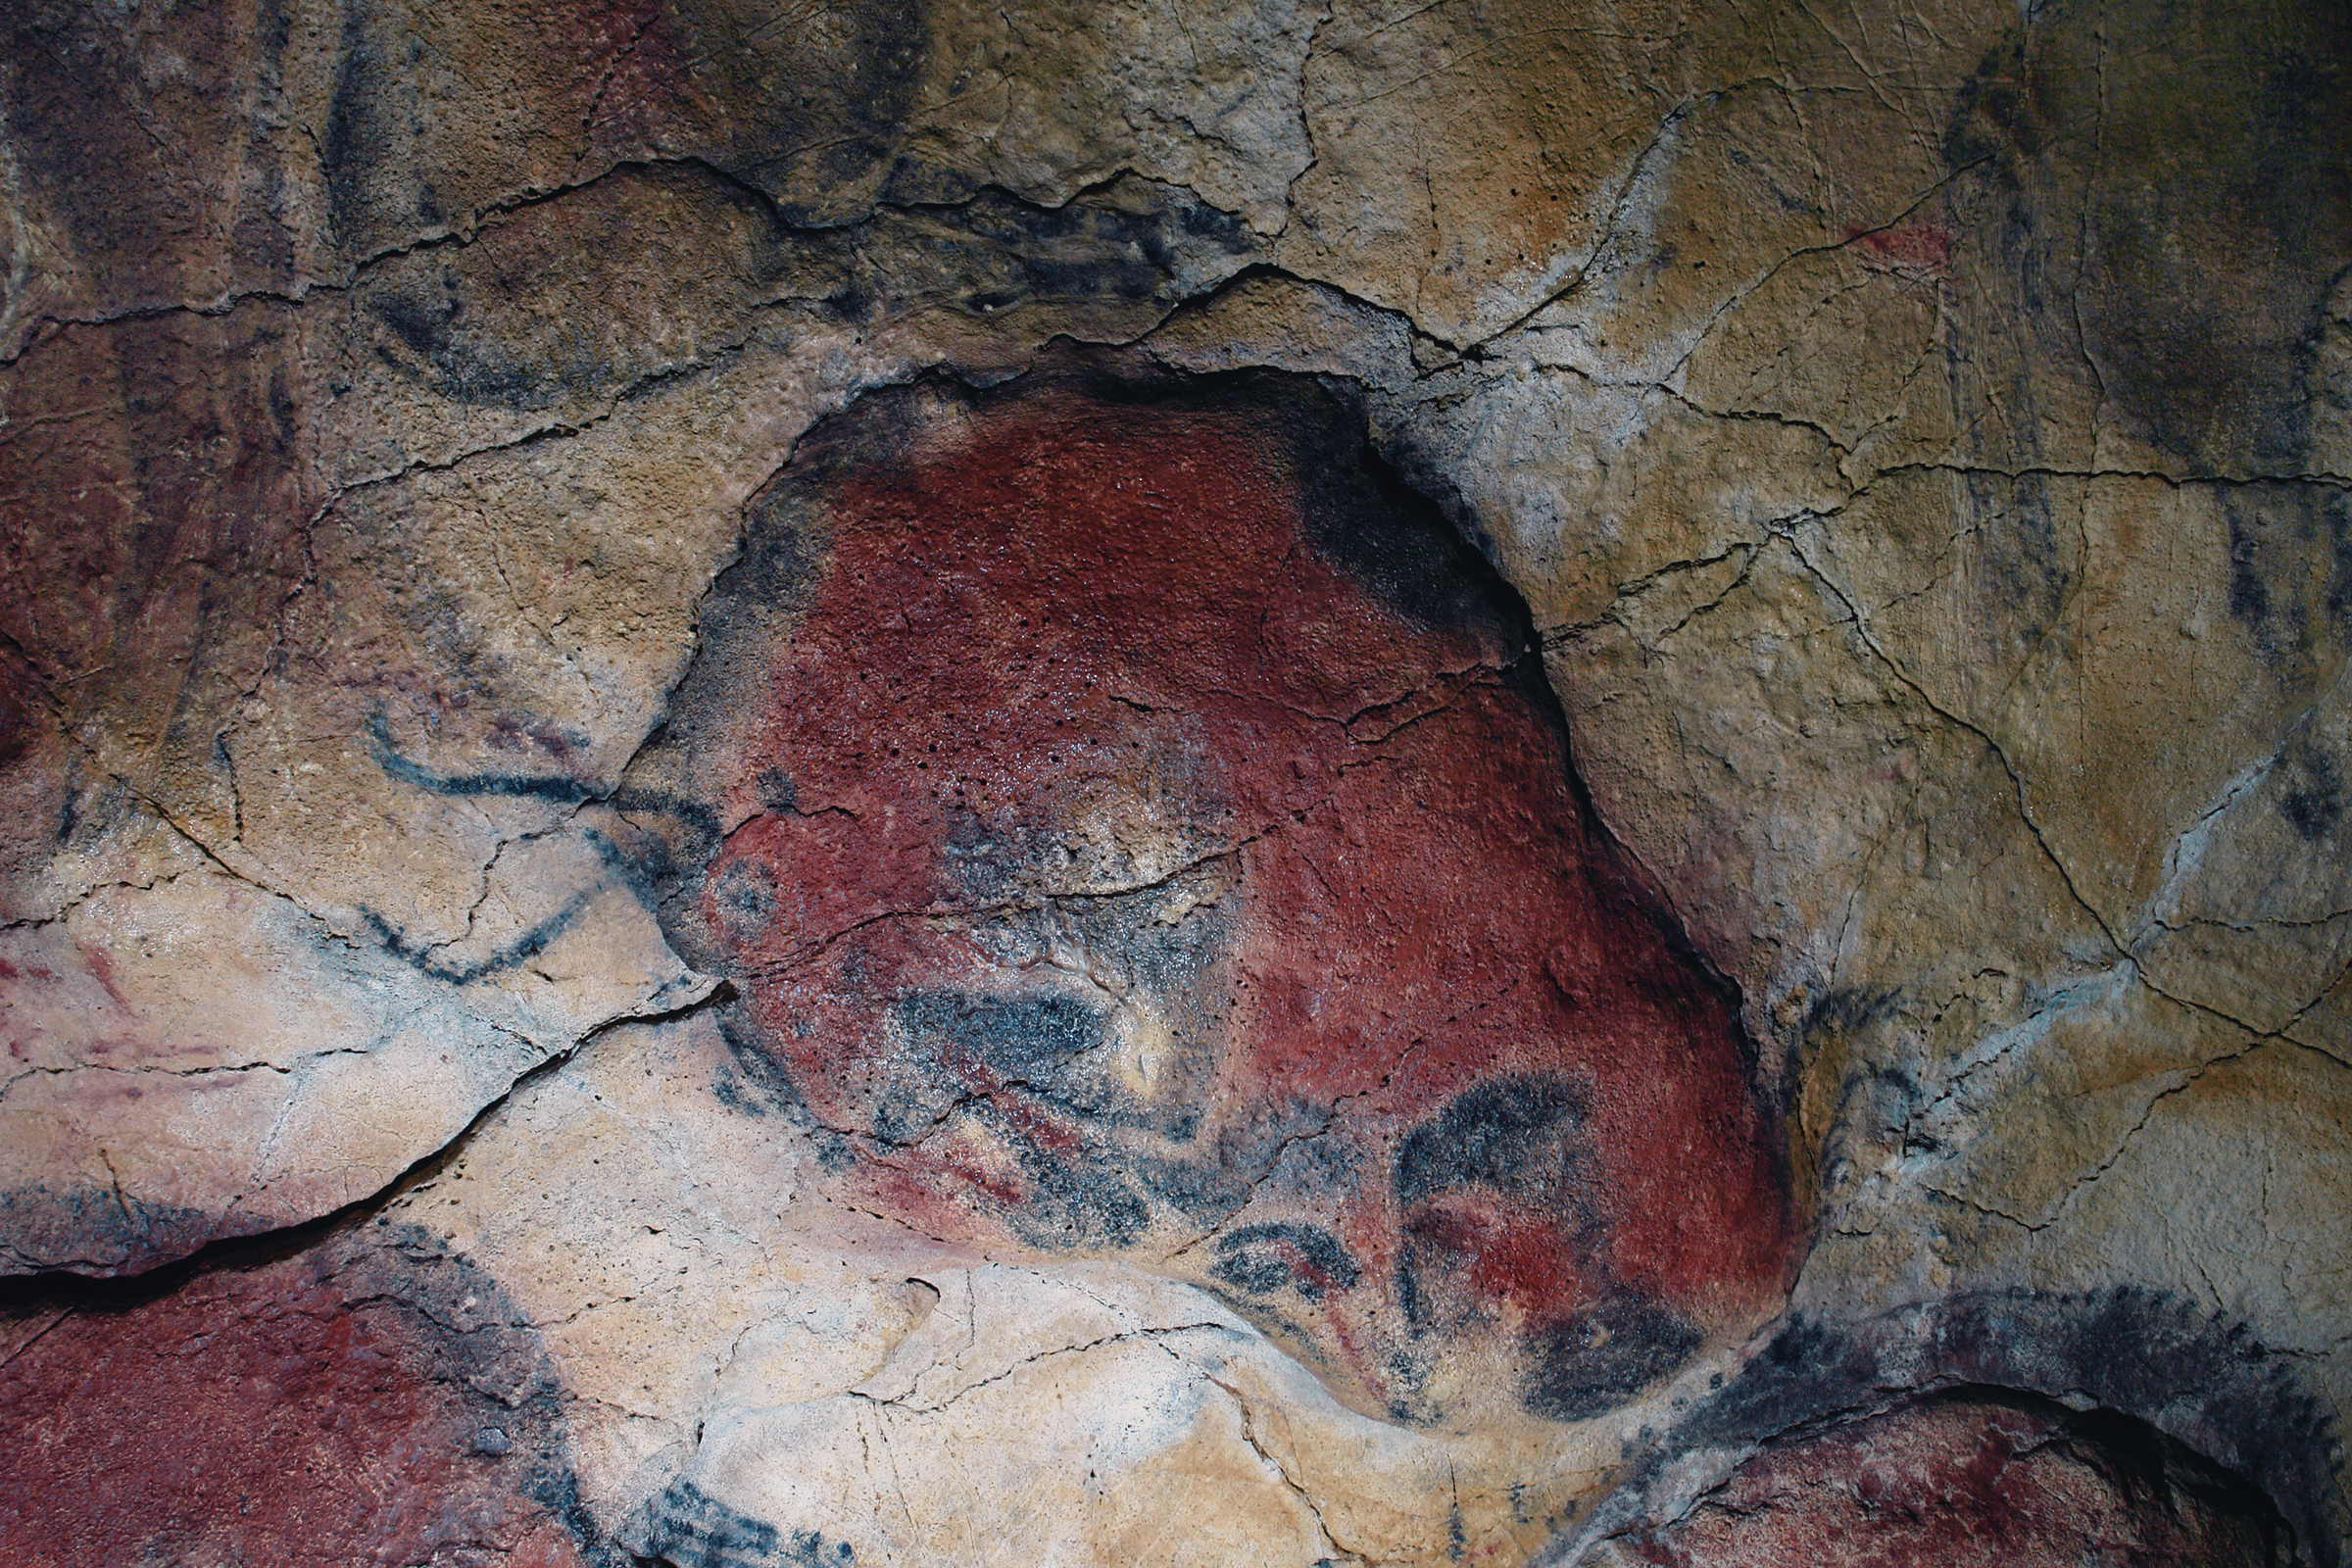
(1136, 827)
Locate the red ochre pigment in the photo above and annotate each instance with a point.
(1070, 645)
(1965, 1484)
(331, 1410)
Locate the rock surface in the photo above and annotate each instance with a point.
(500, 502)
(1964, 1483)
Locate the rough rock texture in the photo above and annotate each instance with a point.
(374, 1400)
(1965, 1482)
(499, 505)
(1132, 834)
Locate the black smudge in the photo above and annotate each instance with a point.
(1267, 1259)
(1495, 1135)
(1591, 1363)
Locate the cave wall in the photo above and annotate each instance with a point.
(1643, 708)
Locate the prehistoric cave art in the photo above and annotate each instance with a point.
(1133, 829)
(1973, 1478)
(1920, 440)
(1147, 835)
(367, 1397)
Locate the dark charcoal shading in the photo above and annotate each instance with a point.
(92, 1230)
(1078, 1201)
(1025, 1039)
(756, 1084)
(2144, 1462)
(746, 896)
(1205, 1191)
(19, 729)
(1360, 512)
(775, 571)
(1087, 1197)
(1840, 1008)
(2180, 1500)
(454, 364)
(2196, 296)
(1593, 1363)
(1496, 1135)
(777, 791)
(2290, 575)
(1265, 1259)
(457, 1341)
(1358, 509)
(814, 117)
(998, 252)
(83, 125)
(687, 1528)
(2315, 805)
(2210, 1383)
(556, 787)
(985, 869)
(2199, 1380)
(379, 190)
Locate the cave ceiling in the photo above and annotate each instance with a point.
(1117, 783)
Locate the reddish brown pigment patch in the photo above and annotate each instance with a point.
(150, 549)
(331, 1409)
(1916, 249)
(1959, 1484)
(1086, 656)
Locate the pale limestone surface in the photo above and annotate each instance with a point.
(1921, 439)
(719, 1322)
